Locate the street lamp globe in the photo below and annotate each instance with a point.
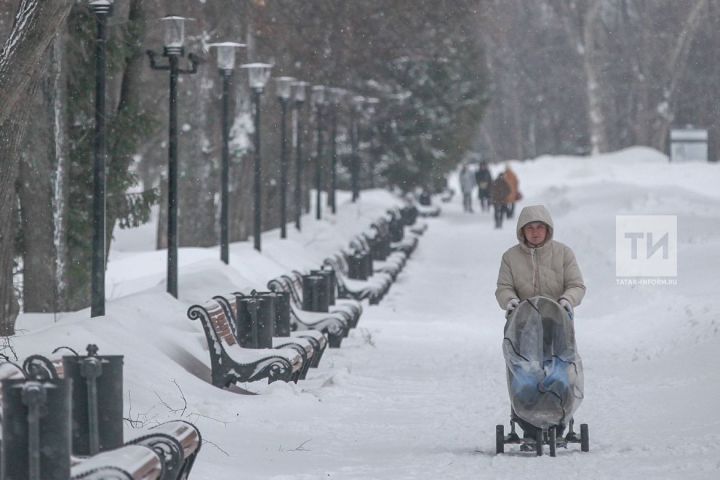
(299, 91)
(371, 102)
(336, 95)
(101, 6)
(258, 75)
(174, 34)
(358, 101)
(283, 87)
(318, 95)
(226, 54)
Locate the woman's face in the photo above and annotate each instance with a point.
(535, 233)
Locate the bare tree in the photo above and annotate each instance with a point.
(36, 24)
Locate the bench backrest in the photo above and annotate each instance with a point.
(216, 322)
(135, 461)
(186, 434)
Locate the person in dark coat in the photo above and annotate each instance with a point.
(483, 179)
(499, 190)
(514, 195)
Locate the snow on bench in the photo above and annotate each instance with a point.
(230, 363)
(305, 348)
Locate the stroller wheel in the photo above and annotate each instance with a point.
(499, 439)
(552, 440)
(539, 442)
(584, 437)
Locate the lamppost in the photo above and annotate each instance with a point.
(336, 95)
(258, 75)
(102, 10)
(371, 102)
(283, 89)
(355, 112)
(299, 93)
(318, 99)
(226, 66)
(174, 49)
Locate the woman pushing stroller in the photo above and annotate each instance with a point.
(541, 276)
(538, 265)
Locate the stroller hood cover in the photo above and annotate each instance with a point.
(544, 370)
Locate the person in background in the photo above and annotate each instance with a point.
(514, 194)
(499, 191)
(467, 184)
(483, 179)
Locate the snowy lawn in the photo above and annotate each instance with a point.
(416, 390)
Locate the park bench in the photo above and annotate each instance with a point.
(303, 346)
(334, 325)
(177, 442)
(426, 209)
(132, 462)
(350, 309)
(370, 243)
(230, 363)
(144, 458)
(405, 246)
(401, 241)
(373, 289)
(409, 214)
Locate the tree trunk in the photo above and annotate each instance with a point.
(596, 116)
(61, 181)
(35, 26)
(35, 191)
(676, 68)
(9, 307)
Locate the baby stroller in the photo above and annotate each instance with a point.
(544, 376)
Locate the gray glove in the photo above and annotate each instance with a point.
(567, 306)
(511, 305)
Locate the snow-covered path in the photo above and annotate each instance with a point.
(408, 391)
(416, 391)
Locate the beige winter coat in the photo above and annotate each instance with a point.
(549, 270)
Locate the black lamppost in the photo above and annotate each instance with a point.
(226, 66)
(102, 10)
(299, 93)
(336, 95)
(283, 90)
(318, 99)
(258, 75)
(371, 102)
(355, 114)
(173, 50)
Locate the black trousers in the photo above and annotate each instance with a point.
(484, 197)
(500, 213)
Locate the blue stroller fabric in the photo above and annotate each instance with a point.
(544, 370)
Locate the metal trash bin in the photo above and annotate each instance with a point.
(397, 230)
(282, 314)
(315, 293)
(329, 273)
(367, 264)
(379, 248)
(357, 267)
(36, 434)
(255, 320)
(97, 401)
